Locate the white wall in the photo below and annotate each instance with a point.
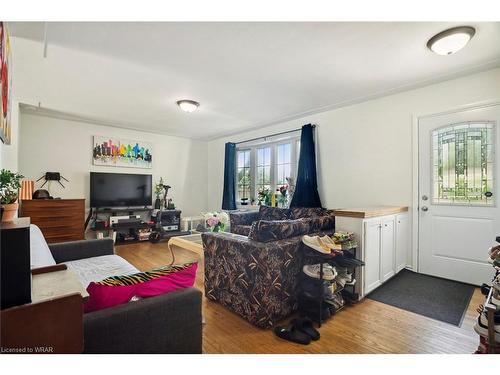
(365, 150)
(50, 144)
(9, 153)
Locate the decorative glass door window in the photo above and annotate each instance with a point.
(243, 179)
(462, 163)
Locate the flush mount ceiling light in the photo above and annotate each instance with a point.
(450, 41)
(188, 105)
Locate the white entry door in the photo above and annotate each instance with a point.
(459, 193)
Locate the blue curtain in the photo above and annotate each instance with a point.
(306, 188)
(229, 194)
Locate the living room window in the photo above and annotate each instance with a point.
(265, 166)
(283, 164)
(243, 173)
(263, 174)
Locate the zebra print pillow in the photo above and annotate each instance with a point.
(142, 277)
(117, 290)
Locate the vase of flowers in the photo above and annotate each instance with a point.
(282, 196)
(10, 183)
(262, 196)
(216, 221)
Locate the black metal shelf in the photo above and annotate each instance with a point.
(321, 258)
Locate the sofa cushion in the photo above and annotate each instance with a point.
(305, 212)
(273, 213)
(40, 252)
(325, 220)
(117, 290)
(97, 268)
(243, 230)
(266, 231)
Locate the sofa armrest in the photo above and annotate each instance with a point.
(168, 323)
(74, 250)
(243, 218)
(226, 239)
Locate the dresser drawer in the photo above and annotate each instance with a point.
(60, 220)
(64, 236)
(57, 222)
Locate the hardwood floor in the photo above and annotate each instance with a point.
(367, 327)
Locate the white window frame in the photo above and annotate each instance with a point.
(252, 172)
(294, 160)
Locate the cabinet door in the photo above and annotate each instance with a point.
(388, 261)
(371, 248)
(402, 241)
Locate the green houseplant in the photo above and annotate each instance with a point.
(10, 183)
(159, 190)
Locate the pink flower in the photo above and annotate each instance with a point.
(212, 221)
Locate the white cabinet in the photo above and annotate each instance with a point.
(402, 241)
(379, 246)
(372, 255)
(387, 249)
(382, 245)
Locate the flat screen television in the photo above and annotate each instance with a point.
(120, 190)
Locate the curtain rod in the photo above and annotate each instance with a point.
(272, 135)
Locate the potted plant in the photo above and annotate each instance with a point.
(10, 183)
(159, 189)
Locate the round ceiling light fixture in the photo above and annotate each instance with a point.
(188, 105)
(450, 41)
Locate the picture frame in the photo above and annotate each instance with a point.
(119, 152)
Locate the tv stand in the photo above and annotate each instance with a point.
(113, 211)
(128, 232)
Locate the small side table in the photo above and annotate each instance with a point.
(53, 321)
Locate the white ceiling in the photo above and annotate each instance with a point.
(247, 75)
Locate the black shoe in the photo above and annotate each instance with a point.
(485, 289)
(305, 325)
(292, 334)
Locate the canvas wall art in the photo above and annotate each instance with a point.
(5, 85)
(116, 152)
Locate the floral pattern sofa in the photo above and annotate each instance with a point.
(257, 275)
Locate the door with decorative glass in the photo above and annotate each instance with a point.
(458, 193)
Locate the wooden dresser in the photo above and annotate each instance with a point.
(60, 220)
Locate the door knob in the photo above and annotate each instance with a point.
(425, 197)
(425, 208)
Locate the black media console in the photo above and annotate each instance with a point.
(132, 225)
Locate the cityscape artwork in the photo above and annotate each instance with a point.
(116, 152)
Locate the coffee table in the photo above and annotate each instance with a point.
(191, 242)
